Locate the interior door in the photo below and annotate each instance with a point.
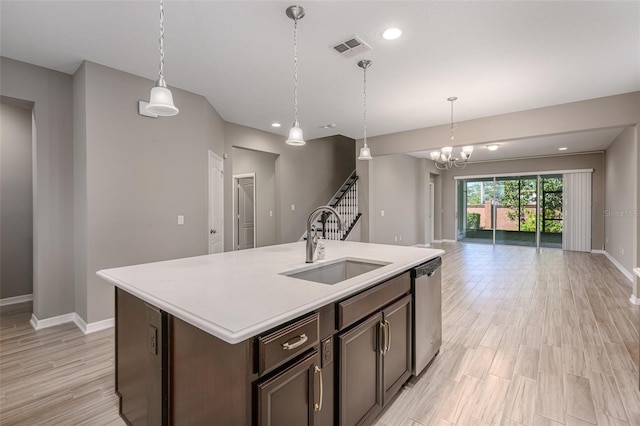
(246, 213)
(216, 204)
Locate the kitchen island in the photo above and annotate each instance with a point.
(233, 338)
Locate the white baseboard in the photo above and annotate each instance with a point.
(448, 241)
(436, 241)
(633, 299)
(50, 322)
(615, 263)
(422, 245)
(74, 318)
(93, 326)
(16, 299)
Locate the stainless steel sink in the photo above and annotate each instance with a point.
(335, 272)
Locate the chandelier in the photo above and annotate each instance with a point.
(444, 159)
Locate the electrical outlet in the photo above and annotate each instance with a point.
(180, 219)
(395, 239)
(381, 212)
(293, 207)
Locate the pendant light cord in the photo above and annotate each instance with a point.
(365, 106)
(452, 125)
(295, 69)
(161, 71)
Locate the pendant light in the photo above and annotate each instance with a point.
(443, 159)
(365, 152)
(161, 99)
(295, 134)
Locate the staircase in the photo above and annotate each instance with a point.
(345, 201)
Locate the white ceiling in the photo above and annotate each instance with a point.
(496, 57)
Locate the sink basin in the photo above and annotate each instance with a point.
(335, 272)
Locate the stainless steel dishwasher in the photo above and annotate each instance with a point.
(426, 288)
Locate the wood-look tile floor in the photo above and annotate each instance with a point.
(54, 376)
(530, 338)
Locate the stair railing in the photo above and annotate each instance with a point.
(347, 207)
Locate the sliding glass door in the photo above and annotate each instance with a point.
(517, 210)
(476, 218)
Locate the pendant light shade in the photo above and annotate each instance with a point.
(365, 153)
(160, 98)
(295, 134)
(161, 101)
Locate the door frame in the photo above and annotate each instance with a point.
(212, 156)
(234, 212)
(432, 213)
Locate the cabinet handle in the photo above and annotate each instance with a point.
(318, 405)
(383, 338)
(301, 340)
(388, 336)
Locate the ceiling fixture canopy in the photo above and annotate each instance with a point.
(365, 152)
(295, 133)
(444, 158)
(161, 99)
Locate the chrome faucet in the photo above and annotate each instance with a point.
(312, 241)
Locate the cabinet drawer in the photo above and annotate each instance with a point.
(369, 301)
(278, 347)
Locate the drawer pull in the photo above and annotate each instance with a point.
(301, 341)
(383, 337)
(318, 405)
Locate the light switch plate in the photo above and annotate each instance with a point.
(180, 219)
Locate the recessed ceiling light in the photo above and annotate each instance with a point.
(275, 124)
(564, 148)
(391, 33)
(328, 126)
(492, 147)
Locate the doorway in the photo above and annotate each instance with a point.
(244, 214)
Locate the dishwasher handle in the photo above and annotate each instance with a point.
(427, 269)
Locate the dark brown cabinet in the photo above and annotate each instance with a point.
(360, 372)
(341, 364)
(292, 396)
(375, 355)
(396, 354)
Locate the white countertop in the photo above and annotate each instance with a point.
(238, 295)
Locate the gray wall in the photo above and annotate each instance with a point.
(263, 164)
(369, 171)
(51, 94)
(141, 173)
(399, 189)
(620, 204)
(306, 176)
(568, 162)
(16, 205)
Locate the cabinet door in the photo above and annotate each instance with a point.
(292, 396)
(396, 356)
(140, 361)
(360, 372)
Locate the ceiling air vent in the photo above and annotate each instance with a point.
(351, 47)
